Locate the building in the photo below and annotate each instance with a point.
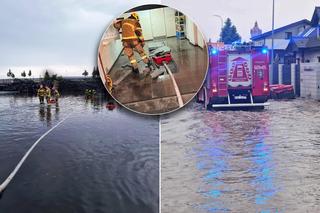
(285, 32)
(282, 38)
(255, 31)
(307, 43)
(297, 55)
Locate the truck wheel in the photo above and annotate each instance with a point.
(207, 102)
(198, 96)
(198, 100)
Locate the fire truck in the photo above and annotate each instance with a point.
(238, 76)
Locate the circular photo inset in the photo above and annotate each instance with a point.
(153, 59)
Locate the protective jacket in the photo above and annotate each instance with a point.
(131, 29)
(48, 92)
(55, 93)
(41, 92)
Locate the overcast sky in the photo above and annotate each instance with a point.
(59, 33)
(244, 13)
(65, 33)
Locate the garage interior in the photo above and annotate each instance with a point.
(160, 25)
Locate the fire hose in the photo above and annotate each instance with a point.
(6, 182)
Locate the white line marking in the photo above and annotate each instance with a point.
(176, 88)
(13, 173)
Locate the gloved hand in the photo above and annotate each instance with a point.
(117, 24)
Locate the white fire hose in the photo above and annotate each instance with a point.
(18, 166)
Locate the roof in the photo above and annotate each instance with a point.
(278, 44)
(269, 33)
(315, 16)
(308, 38)
(309, 32)
(304, 42)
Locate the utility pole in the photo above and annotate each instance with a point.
(272, 40)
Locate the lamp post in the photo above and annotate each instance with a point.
(272, 40)
(221, 19)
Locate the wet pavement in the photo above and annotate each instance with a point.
(242, 161)
(144, 93)
(97, 160)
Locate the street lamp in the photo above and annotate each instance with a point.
(272, 40)
(221, 19)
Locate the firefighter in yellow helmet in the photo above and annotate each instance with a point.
(132, 39)
(48, 93)
(55, 94)
(41, 93)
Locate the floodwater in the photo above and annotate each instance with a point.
(95, 161)
(242, 161)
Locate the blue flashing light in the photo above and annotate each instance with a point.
(264, 50)
(214, 51)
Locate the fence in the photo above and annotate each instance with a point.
(310, 80)
(304, 77)
(288, 74)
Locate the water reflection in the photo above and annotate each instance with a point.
(245, 161)
(45, 112)
(237, 161)
(98, 159)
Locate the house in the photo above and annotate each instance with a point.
(307, 43)
(282, 38)
(285, 32)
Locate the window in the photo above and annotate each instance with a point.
(318, 58)
(288, 35)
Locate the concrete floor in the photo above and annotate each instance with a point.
(152, 96)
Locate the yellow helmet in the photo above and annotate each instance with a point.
(135, 15)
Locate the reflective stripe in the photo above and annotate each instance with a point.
(133, 61)
(143, 57)
(129, 37)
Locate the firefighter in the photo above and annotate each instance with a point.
(132, 39)
(87, 93)
(41, 93)
(55, 94)
(48, 93)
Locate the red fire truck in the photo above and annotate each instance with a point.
(238, 76)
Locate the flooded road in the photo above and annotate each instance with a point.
(242, 161)
(95, 161)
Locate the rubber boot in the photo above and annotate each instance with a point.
(148, 68)
(135, 70)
